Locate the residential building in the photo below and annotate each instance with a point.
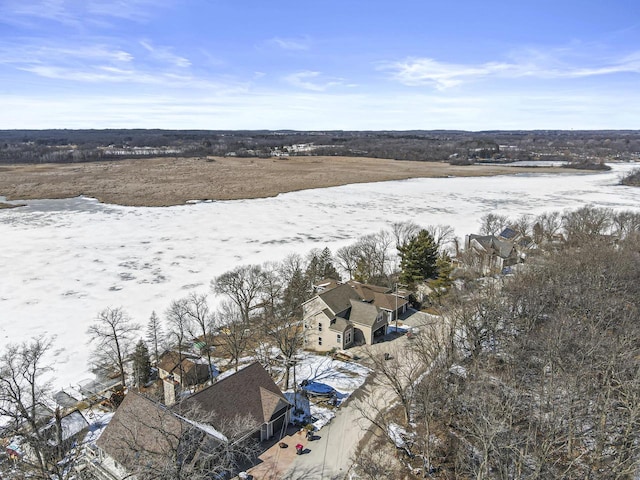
(349, 314)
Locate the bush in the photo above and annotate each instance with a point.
(631, 179)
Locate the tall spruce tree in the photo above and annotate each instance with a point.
(141, 363)
(418, 258)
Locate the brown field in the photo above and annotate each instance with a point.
(173, 181)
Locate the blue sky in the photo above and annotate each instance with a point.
(254, 64)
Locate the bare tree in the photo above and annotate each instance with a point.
(154, 335)
(586, 222)
(234, 331)
(197, 311)
(113, 333)
(25, 396)
(179, 322)
(373, 257)
(492, 223)
(243, 286)
(348, 258)
(442, 235)
(404, 231)
(548, 225)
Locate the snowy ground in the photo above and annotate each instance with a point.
(62, 261)
(342, 377)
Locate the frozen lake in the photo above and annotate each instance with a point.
(62, 261)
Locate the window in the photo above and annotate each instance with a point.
(347, 338)
(319, 326)
(319, 340)
(339, 338)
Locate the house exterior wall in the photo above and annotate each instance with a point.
(367, 331)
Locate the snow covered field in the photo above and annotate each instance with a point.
(64, 260)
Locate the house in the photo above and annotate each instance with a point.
(58, 436)
(248, 394)
(145, 439)
(183, 368)
(349, 314)
(490, 253)
(145, 436)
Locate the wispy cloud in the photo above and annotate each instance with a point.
(139, 64)
(310, 80)
(164, 54)
(442, 75)
(296, 44)
(78, 13)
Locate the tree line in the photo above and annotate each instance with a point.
(535, 375)
(66, 146)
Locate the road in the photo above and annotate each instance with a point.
(331, 456)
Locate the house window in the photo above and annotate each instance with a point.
(319, 340)
(347, 338)
(319, 326)
(339, 338)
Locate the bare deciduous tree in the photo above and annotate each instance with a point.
(234, 331)
(113, 333)
(25, 397)
(243, 286)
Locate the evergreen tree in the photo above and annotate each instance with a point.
(418, 259)
(141, 363)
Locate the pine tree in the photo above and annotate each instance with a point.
(141, 363)
(418, 259)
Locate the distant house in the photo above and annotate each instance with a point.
(349, 314)
(183, 368)
(491, 254)
(145, 436)
(59, 435)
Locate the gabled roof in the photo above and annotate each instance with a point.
(388, 301)
(363, 313)
(71, 425)
(170, 362)
(146, 435)
(339, 324)
(366, 291)
(493, 245)
(337, 299)
(249, 392)
(326, 284)
(141, 425)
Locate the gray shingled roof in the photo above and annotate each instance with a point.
(337, 299)
(339, 324)
(363, 313)
(249, 392)
(491, 244)
(141, 429)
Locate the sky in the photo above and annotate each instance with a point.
(322, 65)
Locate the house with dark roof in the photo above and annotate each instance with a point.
(248, 394)
(349, 314)
(492, 253)
(145, 436)
(184, 369)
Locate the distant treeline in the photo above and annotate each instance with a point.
(64, 146)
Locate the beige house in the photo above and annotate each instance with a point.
(349, 314)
